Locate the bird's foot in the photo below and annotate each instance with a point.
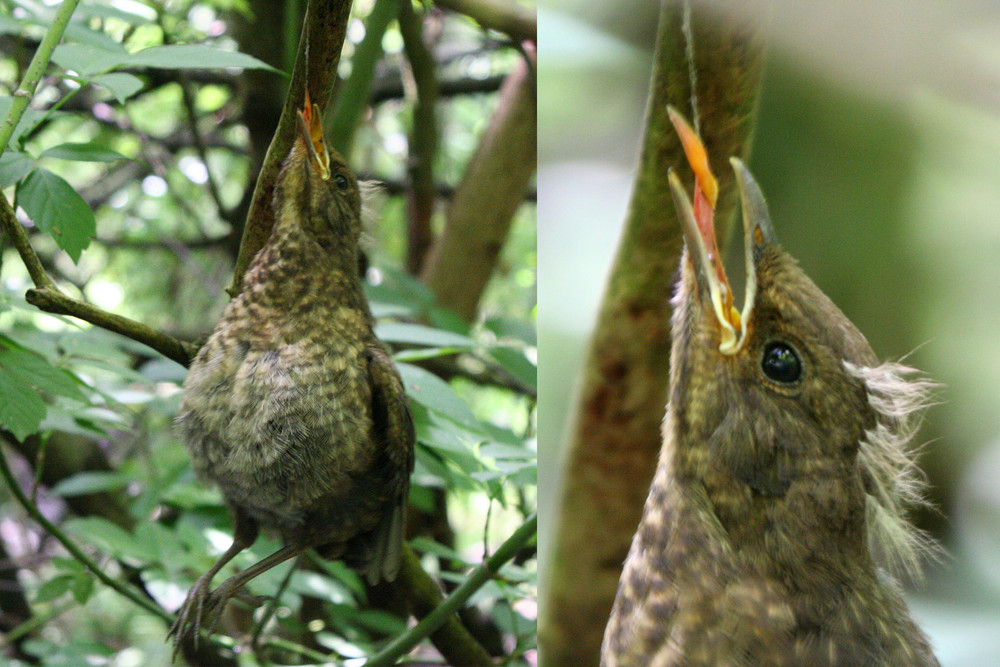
(201, 610)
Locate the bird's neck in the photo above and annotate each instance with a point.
(809, 536)
(296, 266)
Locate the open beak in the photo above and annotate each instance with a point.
(697, 224)
(311, 131)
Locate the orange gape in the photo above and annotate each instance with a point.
(706, 193)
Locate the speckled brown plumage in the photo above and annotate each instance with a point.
(757, 539)
(293, 406)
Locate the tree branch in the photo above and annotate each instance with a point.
(199, 144)
(122, 588)
(46, 296)
(463, 258)
(392, 88)
(611, 455)
(444, 611)
(423, 138)
(52, 300)
(77, 553)
(353, 96)
(25, 91)
(507, 17)
(322, 37)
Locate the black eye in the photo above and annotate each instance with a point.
(342, 182)
(780, 363)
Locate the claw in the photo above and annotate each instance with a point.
(188, 625)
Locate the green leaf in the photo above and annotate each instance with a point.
(381, 310)
(517, 364)
(83, 483)
(165, 541)
(11, 26)
(191, 496)
(54, 588)
(518, 473)
(319, 586)
(78, 32)
(499, 451)
(425, 545)
(28, 120)
(120, 84)
(88, 59)
(57, 209)
(507, 327)
(112, 539)
(193, 56)
(422, 353)
(67, 565)
(36, 370)
(83, 587)
(21, 408)
(380, 621)
(88, 152)
(134, 13)
(416, 334)
(436, 394)
(432, 464)
(60, 418)
(14, 165)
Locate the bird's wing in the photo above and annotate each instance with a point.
(392, 424)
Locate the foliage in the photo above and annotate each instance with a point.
(131, 170)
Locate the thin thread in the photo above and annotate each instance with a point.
(692, 71)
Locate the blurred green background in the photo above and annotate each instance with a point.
(878, 147)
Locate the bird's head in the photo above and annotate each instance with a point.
(315, 187)
(781, 408)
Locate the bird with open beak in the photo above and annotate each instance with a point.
(293, 406)
(785, 473)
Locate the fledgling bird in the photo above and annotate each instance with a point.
(293, 406)
(784, 474)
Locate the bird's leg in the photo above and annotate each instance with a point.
(233, 584)
(189, 617)
(211, 604)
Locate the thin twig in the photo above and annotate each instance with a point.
(507, 17)
(17, 236)
(272, 604)
(51, 300)
(423, 137)
(77, 553)
(122, 588)
(476, 579)
(390, 88)
(199, 147)
(479, 217)
(25, 91)
(14, 634)
(353, 95)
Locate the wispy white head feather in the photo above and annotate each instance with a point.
(893, 482)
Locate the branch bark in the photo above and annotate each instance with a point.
(354, 96)
(611, 455)
(46, 296)
(26, 89)
(508, 17)
(438, 615)
(423, 138)
(323, 34)
(463, 258)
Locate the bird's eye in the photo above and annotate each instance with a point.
(342, 182)
(780, 363)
